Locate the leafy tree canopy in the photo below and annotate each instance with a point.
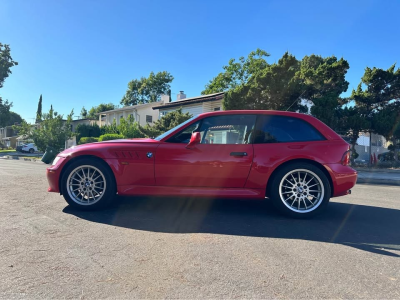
(53, 131)
(167, 122)
(39, 110)
(237, 72)
(4, 112)
(84, 113)
(98, 109)
(6, 62)
(145, 90)
(14, 119)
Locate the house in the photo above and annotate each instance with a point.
(8, 137)
(194, 106)
(142, 113)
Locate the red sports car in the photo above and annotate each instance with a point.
(293, 159)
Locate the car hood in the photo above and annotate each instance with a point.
(100, 146)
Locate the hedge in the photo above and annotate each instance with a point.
(110, 136)
(85, 140)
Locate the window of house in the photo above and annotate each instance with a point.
(281, 129)
(217, 108)
(149, 119)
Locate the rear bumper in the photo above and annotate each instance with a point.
(343, 178)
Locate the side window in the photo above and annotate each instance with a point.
(227, 129)
(184, 135)
(281, 129)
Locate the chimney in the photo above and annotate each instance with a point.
(165, 99)
(180, 96)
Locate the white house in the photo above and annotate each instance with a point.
(194, 106)
(142, 113)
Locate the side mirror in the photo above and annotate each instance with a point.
(195, 139)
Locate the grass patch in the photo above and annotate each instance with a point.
(6, 151)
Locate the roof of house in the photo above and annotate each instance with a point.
(129, 107)
(188, 101)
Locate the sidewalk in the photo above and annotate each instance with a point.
(373, 176)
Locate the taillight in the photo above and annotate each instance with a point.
(346, 158)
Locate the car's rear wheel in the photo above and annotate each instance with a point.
(300, 190)
(31, 150)
(88, 185)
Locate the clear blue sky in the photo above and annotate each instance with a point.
(84, 52)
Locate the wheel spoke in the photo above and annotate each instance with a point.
(313, 185)
(295, 181)
(304, 201)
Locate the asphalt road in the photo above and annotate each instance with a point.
(193, 248)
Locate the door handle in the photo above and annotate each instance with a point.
(238, 154)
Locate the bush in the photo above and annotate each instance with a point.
(87, 130)
(110, 136)
(89, 139)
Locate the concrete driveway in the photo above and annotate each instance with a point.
(193, 248)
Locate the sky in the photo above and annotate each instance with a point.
(84, 52)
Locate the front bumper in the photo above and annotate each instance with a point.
(343, 178)
(53, 174)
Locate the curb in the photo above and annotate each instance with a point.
(378, 181)
(18, 158)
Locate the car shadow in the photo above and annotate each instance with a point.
(368, 228)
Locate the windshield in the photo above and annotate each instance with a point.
(160, 137)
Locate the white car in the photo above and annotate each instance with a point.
(31, 148)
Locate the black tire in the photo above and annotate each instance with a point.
(31, 150)
(279, 203)
(107, 196)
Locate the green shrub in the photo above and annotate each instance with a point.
(89, 139)
(110, 136)
(87, 130)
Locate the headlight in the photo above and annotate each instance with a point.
(56, 160)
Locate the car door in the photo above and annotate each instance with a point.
(222, 159)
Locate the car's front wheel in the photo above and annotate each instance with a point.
(300, 190)
(88, 184)
(31, 150)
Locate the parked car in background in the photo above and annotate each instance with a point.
(293, 159)
(31, 148)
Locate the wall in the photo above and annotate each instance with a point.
(195, 109)
(363, 152)
(138, 112)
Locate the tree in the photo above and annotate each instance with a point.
(6, 62)
(98, 109)
(167, 122)
(324, 81)
(53, 131)
(252, 83)
(237, 72)
(146, 90)
(4, 112)
(83, 113)
(14, 119)
(128, 128)
(39, 110)
(274, 87)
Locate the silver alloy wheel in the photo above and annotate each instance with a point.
(301, 190)
(86, 185)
